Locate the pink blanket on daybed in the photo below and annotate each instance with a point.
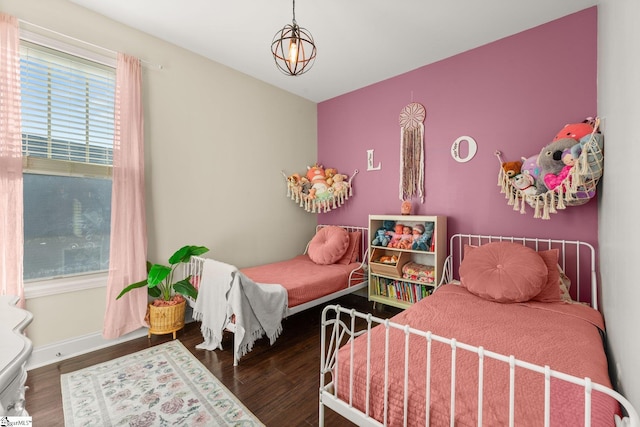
(303, 279)
(561, 335)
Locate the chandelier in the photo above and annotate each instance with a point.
(293, 48)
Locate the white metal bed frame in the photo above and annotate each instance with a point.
(339, 329)
(357, 277)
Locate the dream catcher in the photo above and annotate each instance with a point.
(412, 151)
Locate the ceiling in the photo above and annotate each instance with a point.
(359, 42)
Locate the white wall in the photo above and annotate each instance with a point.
(619, 232)
(216, 142)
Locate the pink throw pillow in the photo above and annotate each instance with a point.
(328, 245)
(351, 254)
(551, 290)
(503, 272)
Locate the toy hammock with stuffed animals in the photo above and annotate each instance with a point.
(319, 189)
(572, 183)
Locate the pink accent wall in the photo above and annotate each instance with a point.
(512, 95)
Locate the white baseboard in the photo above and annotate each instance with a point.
(51, 353)
(61, 350)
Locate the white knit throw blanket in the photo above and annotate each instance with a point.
(211, 305)
(224, 292)
(259, 309)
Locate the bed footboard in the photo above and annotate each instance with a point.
(341, 326)
(357, 279)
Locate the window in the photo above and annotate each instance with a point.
(67, 142)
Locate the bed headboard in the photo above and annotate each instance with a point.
(577, 259)
(364, 239)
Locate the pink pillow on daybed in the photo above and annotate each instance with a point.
(351, 254)
(328, 245)
(551, 291)
(504, 272)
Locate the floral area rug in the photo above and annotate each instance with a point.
(164, 385)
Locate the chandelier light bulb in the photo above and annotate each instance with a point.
(293, 52)
(293, 48)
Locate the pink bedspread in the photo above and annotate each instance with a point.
(563, 336)
(303, 279)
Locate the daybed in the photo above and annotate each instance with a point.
(251, 302)
(499, 343)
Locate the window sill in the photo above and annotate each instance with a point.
(43, 288)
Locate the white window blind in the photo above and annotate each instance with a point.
(67, 113)
(67, 145)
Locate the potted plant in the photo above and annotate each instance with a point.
(166, 313)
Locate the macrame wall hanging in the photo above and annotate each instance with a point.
(412, 151)
(319, 189)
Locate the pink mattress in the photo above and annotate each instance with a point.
(564, 336)
(303, 279)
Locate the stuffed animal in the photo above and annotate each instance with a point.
(525, 183)
(329, 174)
(530, 166)
(575, 130)
(550, 161)
(305, 185)
(576, 150)
(568, 158)
(422, 236)
(512, 169)
(339, 182)
(553, 181)
(382, 238)
(316, 175)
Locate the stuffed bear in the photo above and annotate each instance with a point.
(512, 169)
(382, 238)
(550, 160)
(329, 173)
(339, 182)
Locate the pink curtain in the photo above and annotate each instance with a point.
(128, 250)
(11, 208)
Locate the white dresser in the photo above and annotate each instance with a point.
(16, 349)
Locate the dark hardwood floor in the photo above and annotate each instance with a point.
(278, 383)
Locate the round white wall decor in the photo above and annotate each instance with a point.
(472, 149)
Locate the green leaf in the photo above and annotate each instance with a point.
(184, 287)
(132, 286)
(185, 253)
(154, 291)
(157, 274)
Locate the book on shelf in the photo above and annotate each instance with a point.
(401, 290)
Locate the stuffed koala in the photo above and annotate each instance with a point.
(550, 160)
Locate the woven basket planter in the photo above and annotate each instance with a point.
(166, 320)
